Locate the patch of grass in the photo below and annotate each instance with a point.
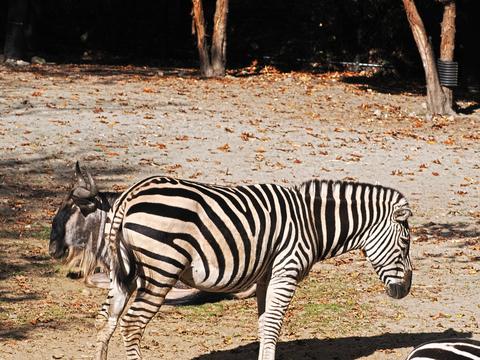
(198, 312)
(9, 234)
(326, 304)
(322, 309)
(40, 231)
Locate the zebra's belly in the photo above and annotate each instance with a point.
(196, 276)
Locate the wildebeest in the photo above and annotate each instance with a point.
(77, 231)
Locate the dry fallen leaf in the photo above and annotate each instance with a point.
(245, 136)
(182, 137)
(225, 147)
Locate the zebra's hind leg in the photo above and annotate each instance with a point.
(261, 292)
(107, 318)
(278, 294)
(148, 299)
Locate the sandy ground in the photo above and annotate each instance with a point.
(126, 123)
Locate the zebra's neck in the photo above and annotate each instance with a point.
(342, 214)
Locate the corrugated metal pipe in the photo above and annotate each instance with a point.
(448, 73)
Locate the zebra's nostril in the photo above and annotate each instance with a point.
(400, 290)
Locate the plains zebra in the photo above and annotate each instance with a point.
(221, 238)
(78, 229)
(447, 349)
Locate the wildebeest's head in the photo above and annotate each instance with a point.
(77, 216)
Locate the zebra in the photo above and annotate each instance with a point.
(221, 238)
(78, 229)
(451, 349)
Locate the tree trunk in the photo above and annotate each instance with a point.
(14, 47)
(199, 24)
(447, 45)
(436, 99)
(219, 39)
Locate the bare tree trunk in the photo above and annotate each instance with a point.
(447, 45)
(219, 39)
(436, 99)
(14, 47)
(199, 23)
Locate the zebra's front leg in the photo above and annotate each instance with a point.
(107, 318)
(277, 295)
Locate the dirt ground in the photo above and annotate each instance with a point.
(124, 123)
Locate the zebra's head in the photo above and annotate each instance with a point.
(388, 247)
(78, 218)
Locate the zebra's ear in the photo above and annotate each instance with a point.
(402, 214)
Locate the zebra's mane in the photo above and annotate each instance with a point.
(319, 182)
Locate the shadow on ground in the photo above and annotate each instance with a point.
(387, 83)
(448, 230)
(347, 348)
(102, 70)
(21, 332)
(36, 184)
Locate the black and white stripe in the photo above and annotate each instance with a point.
(225, 239)
(448, 349)
(78, 234)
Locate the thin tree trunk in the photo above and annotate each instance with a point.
(447, 45)
(14, 47)
(436, 100)
(199, 23)
(219, 39)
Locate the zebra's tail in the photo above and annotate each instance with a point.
(122, 258)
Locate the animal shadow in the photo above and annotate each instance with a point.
(347, 348)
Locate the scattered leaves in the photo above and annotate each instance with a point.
(225, 147)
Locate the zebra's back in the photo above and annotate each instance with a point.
(448, 349)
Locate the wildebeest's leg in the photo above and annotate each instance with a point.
(280, 290)
(107, 318)
(148, 299)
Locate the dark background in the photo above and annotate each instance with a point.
(289, 34)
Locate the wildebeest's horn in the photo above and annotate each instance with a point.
(86, 187)
(91, 185)
(82, 193)
(79, 176)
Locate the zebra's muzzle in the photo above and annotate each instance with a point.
(401, 289)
